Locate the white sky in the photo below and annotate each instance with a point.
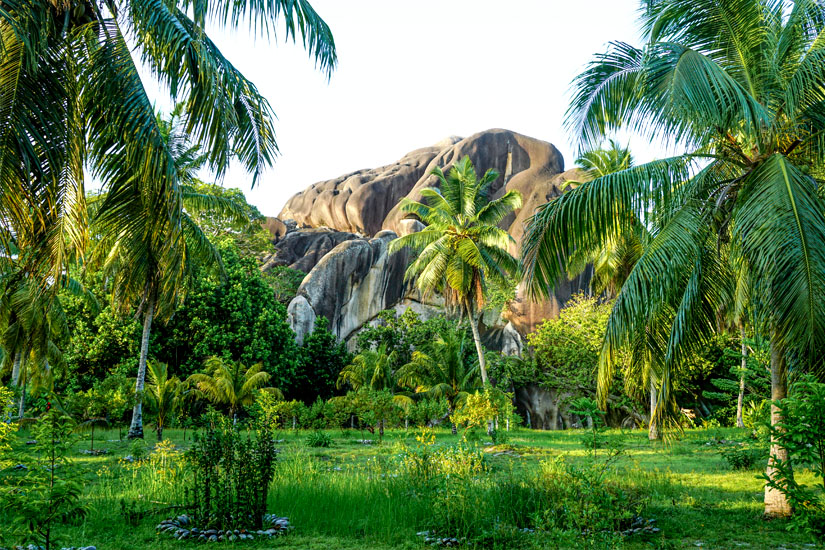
(412, 72)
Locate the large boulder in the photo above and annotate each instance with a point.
(303, 249)
(349, 286)
(367, 201)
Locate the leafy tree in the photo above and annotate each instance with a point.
(49, 492)
(235, 317)
(74, 101)
(320, 360)
(230, 383)
(461, 248)
(443, 372)
(737, 83)
(567, 348)
(164, 394)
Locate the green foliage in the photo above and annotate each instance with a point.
(318, 438)
(481, 408)
(7, 428)
(236, 317)
(737, 216)
(230, 384)
(48, 494)
(284, 282)
(567, 348)
(582, 504)
(230, 476)
(246, 231)
(321, 359)
(802, 432)
(740, 456)
(588, 408)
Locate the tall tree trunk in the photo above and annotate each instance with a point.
(22, 403)
(653, 431)
(740, 422)
(160, 432)
(15, 370)
(136, 428)
(482, 364)
(776, 503)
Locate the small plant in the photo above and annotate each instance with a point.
(48, 494)
(743, 457)
(589, 409)
(802, 433)
(138, 450)
(318, 438)
(230, 476)
(6, 426)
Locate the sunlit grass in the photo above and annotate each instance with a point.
(350, 496)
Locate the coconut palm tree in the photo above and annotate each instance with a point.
(738, 85)
(164, 393)
(149, 247)
(461, 248)
(374, 370)
(72, 99)
(612, 261)
(442, 371)
(231, 384)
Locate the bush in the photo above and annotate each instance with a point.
(802, 433)
(49, 493)
(743, 457)
(318, 439)
(231, 476)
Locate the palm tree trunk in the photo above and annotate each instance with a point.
(160, 432)
(653, 431)
(740, 422)
(15, 370)
(136, 428)
(22, 404)
(776, 503)
(482, 364)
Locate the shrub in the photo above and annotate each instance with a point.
(802, 433)
(230, 476)
(318, 438)
(48, 494)
(581, 501)
(743, 457)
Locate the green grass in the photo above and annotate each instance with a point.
(350, 495)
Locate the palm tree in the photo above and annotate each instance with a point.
(374, 370)
(737, 83)
(164, 393)
(614, 259)
(461, 248)
(72, 99)
(230, 383)
(149, 247)
(442, 371)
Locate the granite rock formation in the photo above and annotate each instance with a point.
(366, 201)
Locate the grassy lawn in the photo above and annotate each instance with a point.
(350, 495)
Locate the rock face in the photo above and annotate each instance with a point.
(342, 228)
(349, 286)
(303, 249)
(367, 202)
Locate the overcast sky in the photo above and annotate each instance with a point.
(412, 72)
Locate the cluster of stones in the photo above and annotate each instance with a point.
(33, 547)
(434, 540)
(640, 526)
(95, 452)
(180, 529)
